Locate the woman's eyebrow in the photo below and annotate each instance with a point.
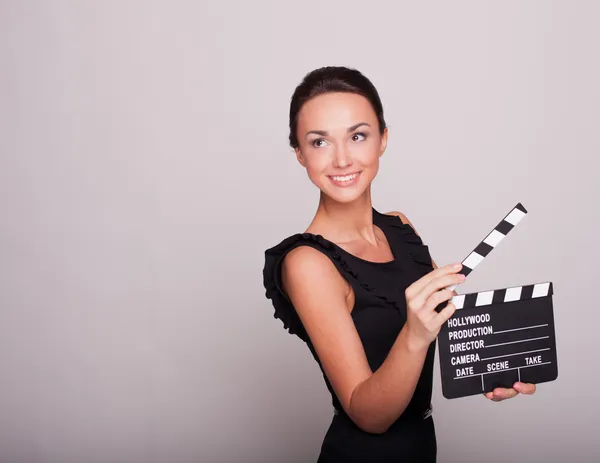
(324, 133)
(356, 126)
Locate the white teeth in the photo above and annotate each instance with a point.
(346, 178)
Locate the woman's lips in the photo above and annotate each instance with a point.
(345, 180)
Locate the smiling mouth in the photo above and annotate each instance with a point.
(345, 179)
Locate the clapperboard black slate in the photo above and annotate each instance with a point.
(496, 338)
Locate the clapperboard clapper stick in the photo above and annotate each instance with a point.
(492, 240)
(498, 337)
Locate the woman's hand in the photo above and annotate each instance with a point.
(499, 394)
(423, 322)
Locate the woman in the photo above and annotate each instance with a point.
(358, 286)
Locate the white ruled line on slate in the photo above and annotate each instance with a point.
(515, 342)
(512, 355)
(524, 328)
(500, 371)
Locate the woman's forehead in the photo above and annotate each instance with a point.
(335, 110)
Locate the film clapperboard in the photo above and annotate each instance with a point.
(497, 337)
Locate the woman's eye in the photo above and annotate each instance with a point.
(358, 136)
(318, 143)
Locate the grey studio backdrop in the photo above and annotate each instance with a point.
(145, 169)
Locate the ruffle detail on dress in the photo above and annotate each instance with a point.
(284, 309)
(369, 288)
(418, 251)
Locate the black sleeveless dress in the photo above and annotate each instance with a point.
(379, 313)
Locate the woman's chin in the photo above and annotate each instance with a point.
(345, 196)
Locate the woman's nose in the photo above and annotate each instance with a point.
(341, 158)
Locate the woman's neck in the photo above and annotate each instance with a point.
(345, 222)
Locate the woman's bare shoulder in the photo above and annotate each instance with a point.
(305, 266)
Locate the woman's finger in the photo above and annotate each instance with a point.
(444, 315)
(501, 393)
(434, 286)
(437, 298)
(525, 388)
(418, 285)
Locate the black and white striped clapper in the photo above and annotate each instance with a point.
(496, 338)
(492, 240)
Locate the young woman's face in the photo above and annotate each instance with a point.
(340, 144)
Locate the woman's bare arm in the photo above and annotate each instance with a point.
(373, 400)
